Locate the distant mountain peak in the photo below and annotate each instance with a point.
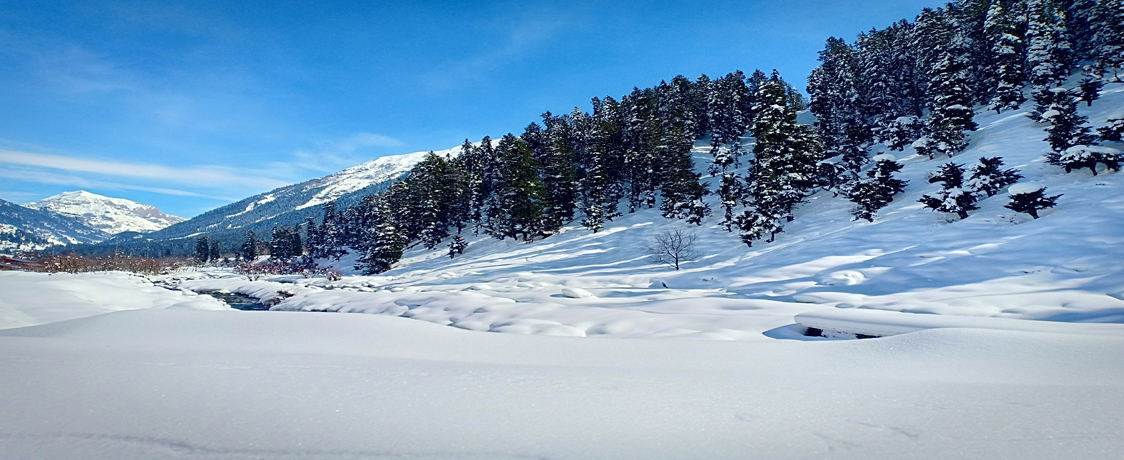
(110, 215)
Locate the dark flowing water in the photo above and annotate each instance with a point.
(237, 301)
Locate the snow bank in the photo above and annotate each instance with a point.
(204, 385)
(37, 298)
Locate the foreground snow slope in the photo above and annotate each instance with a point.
(28, 299)
(180, 384)
(1064, 267)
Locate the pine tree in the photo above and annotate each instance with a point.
(1106, 20)
(878, 191)
(835, 100)
(1048, 52)
(951, 105)
(1090, 90)
(249, 247)
(202, 250)
(519, 199)
(952, 197)
(989, 178)
(558, 173)
(331, 233)
(457, 246)
(727, 119)
(1067, 128)
(215, 254)
(1007, 54)
(385, 241)
(1032, 202)
(785, 164)
(1113, 132)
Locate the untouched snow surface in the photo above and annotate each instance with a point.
(28, 299)
(177, 384)
(110, 215)
(1065, 267)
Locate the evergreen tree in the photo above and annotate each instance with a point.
(519, 199)
(1067, 128)
(1048, 53)
(600, 186)
(1032, 202)
(331, 233)
(1086, 156)
(951, 105)
(989, 178)
(457, 246)
(1113, 132)
(215, 254)
(835, 100)
(952, 197)
(202, 250)
(1007, 52)
(385, 241)
(249, 247)
(878, 190)
(312, 238)
(785, 164)
(1090, 90)
(1106, 21)
(559, 175)
(728, 119)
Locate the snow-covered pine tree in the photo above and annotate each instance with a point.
(1003, 31)
(878, 190)
(1113, 131)
(952, 198)
(640, 134)
(331, 233)
(834, 99)
(989, 178)
(384, 240)
(1030, 199)
(680, 191)
(559, 176)
(603, 162)
(1048, 51)
(457, 246)
(1106, 20)
(519, 198)
(312, 238)
(1090, 89)
(249, 247)
(1067, 128)
(951, 105)
(786, 155)
(1086, 156)
(727, 120)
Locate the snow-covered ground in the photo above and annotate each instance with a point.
(29, 299)
(176, 384)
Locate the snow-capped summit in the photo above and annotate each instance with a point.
(110, 215)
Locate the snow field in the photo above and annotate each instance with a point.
(207, 385)
(28, 299)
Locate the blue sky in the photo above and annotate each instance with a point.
(191, 105)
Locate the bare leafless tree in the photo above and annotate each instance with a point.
(672, 247)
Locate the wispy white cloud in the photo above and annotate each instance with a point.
(336, 154)
(210, 176)
(526, 34)
(43, 177)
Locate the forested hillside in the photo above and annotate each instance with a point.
(915, 84)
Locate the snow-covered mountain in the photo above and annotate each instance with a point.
(110, 215)
(287, 205)
(31, 229)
